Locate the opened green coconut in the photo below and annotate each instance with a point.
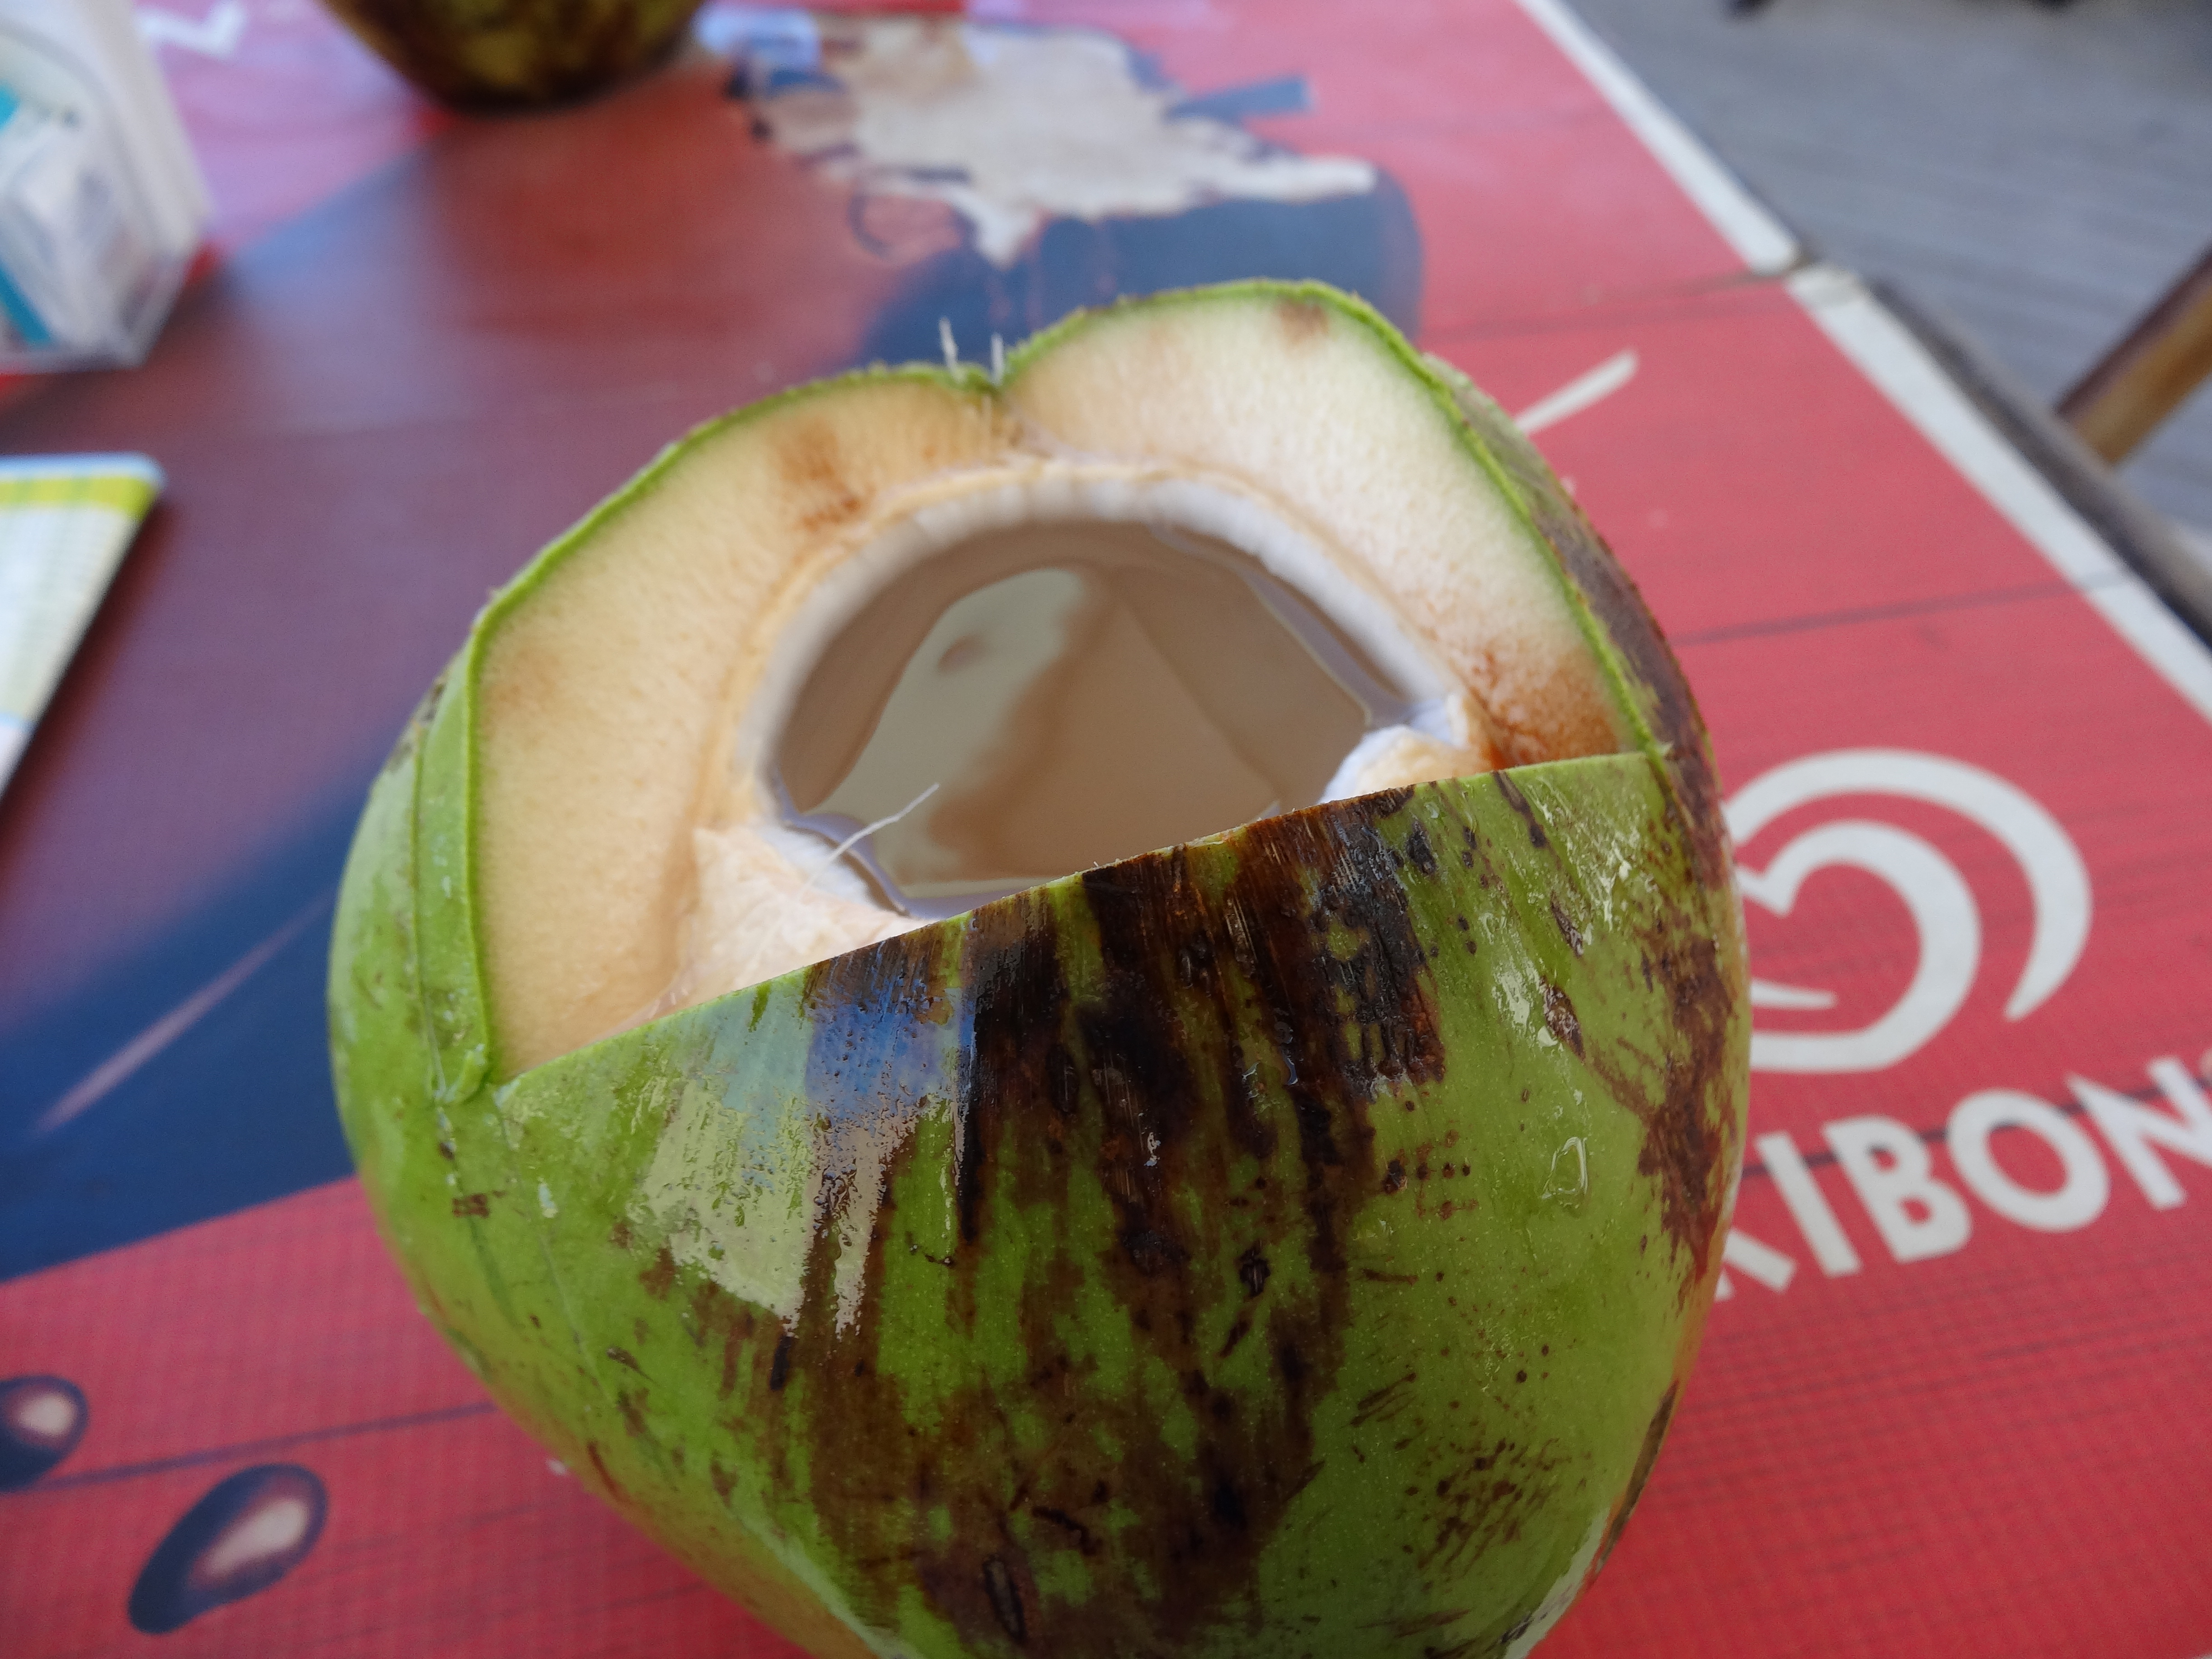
(1293, 1241)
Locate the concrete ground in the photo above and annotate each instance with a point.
(2037, 175)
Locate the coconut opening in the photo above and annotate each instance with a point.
(1041, 700)
(1040, 676)
(636, 845)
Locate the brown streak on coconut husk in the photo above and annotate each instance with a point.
(1690, 1131)
(716, 1316)
(1612, 599)
(1682, 1094)
(1111, 1035)
(1686, 1100)
(1690, 1136)
(1016, 1059)
(1655, 678)
(1511, 793)
(1655, 1435)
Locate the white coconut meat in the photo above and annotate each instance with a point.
(770, 898)
(644, 691)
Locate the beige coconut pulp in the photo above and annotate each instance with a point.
(1045, 699)
(1017, 681)
(634, 845)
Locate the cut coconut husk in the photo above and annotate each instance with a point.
(1291, 1240)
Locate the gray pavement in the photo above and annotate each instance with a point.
(2036, 175)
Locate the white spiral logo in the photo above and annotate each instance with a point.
(1941, 905)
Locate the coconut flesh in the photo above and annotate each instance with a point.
(1134, 678)
(873, 656)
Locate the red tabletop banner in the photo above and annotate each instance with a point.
(1953, 1403)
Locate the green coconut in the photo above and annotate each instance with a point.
(516, 54)
(1293, 1241)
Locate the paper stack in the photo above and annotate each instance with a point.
(101, 205)
(64, 523)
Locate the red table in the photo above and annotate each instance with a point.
(1954, 1403)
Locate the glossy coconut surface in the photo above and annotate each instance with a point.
(518, 53)
(1290, 1242)
(1312, 1224)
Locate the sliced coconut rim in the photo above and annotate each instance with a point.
(1053, 492)
(1311, 397)
(596, 748)
(1525, 776)
(773, 896)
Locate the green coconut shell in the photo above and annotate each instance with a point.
(494, 54)
(1293, 1243)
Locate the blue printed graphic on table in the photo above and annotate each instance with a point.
(244, 1534)
(1022, 172)
(192, 1080)
(41, 1420)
